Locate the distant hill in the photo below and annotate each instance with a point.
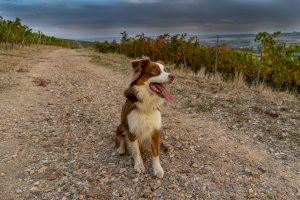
(79, 44)
(295, 35)
(236, 41)
(241, 41)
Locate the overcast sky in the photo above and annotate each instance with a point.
(102, 18)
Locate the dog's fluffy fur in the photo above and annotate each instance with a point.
(141, 117)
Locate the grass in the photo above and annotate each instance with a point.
(113, 61)
(11, 57)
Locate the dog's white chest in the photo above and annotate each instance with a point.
(142, 124)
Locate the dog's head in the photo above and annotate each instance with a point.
(153, 76)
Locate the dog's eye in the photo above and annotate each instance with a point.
(155, 70)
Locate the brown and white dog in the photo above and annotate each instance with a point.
(141, 117)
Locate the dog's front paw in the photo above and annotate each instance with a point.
(139, 167)
(158, 171)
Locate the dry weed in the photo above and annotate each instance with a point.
(41, 82)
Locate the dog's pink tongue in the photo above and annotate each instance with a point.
(165, 93)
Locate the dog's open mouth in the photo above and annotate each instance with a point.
(161, 91)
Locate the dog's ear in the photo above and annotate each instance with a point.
(140, 63)
(138, 66)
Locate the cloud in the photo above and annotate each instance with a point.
(156, 16)
(144, 1)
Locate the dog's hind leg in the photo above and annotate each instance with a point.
(120, 140)
(122, 148)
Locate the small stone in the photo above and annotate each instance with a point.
(52, 177)
(256, 173)
(156, 185)
(285, 135)
(73, 190)
(33, 189)
(66, 154)
(252, 193)
(36, 183)
(135, 180)
(66, 142)
(173, 186)
(270, 195)
(229, 189)
(64, 198)
(253, 172)
(122, 170)
(247, 169)
(115, 193)
(194, 165)
(75, 166)
(42, 169)
(2, 174)
(104, 180)
(205, 170)
(19, 191)
(146, 192)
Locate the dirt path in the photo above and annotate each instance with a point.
(56, 125)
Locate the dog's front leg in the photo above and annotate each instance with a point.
(157, 169)
(136, 154)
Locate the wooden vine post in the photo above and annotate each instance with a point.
(216, 54)
(260, 62)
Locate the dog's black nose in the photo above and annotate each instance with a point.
(171, 78)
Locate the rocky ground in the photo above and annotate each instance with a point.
(59, 108)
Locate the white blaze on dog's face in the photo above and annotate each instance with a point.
(163, 77)
(155, 83)
(152, 75)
